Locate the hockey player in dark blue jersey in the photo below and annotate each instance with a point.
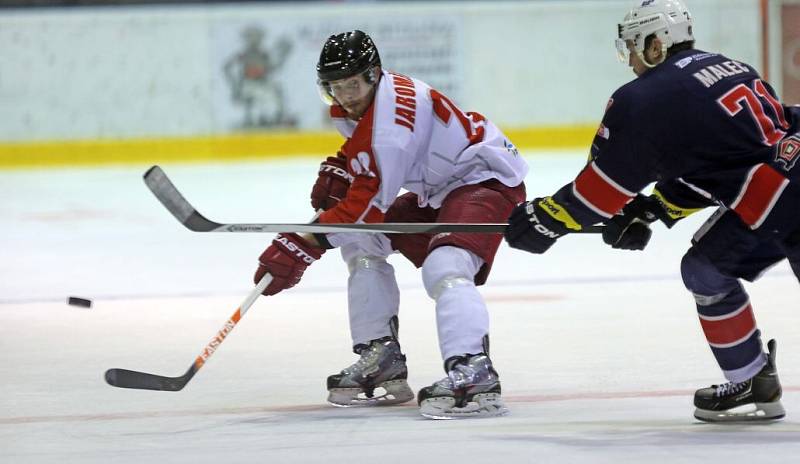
(708, 131)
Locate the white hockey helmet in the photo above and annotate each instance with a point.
(669, 20)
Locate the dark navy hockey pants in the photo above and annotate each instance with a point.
(723, 252)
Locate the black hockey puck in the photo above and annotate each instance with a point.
(83, 302)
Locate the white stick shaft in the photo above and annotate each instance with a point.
(255, 293)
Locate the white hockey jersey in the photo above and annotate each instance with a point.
(412, 137)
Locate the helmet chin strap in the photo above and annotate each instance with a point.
(653, 65)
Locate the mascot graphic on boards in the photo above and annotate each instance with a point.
(250, 73)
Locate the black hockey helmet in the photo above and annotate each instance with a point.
(347, 54)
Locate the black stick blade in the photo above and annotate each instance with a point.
(124, 378)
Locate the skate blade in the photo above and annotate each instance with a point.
(758, 412)
(482, 405)
(386, 394)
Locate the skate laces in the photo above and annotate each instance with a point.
(369, 357)
(462, 375)
(730, 388)
(465, 374)
(457, 377)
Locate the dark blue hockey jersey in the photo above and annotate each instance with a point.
(701, 122)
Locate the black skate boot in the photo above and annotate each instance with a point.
(755, 399)
(471, 389)
(378, 378)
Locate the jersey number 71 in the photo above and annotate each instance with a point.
(742, 96)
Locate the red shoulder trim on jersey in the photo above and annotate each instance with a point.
(759, 193)
(357, 205)
(730, 329)
(599, 193)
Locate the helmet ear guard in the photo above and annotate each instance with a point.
(668, 20)
(371, 74)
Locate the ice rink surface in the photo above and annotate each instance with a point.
(599, 350)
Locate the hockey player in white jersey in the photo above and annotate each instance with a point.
(456, 167)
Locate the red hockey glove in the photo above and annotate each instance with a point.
(286, 260)
(332, 183)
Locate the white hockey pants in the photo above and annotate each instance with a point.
(448, 275)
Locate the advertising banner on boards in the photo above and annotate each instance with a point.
(790, 24)
(264, 71)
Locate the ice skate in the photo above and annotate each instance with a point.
(756, 399)
(471, 389)
(378, 378)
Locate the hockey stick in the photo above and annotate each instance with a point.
(123, 378)
(169, 196)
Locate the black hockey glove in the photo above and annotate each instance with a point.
(532, 228)
(630, 229)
